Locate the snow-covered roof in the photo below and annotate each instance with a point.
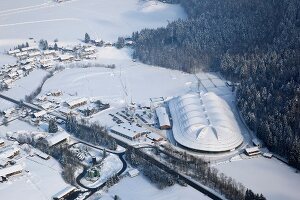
(47, 52)
(64, 192)
(163, 117)
(89, 49)
(46, 105)
(66, 57)
(9, 152)
(52, 140)
(76, 102)
(204, 122)
(128, 130)
(10, 170)
(27, 67)
(41, 154)
(252, 149)
(133, 173)
(40, 113)
(28, 48)
(14, 51)
(37, 53)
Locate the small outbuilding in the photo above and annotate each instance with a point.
(252, 151)
(63, 194)
(133, 173)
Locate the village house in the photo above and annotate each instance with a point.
(13, 52)
(10, 171)
(66, 57)
(76, 103)
(57, 138)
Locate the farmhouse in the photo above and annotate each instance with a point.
(65, 57)
(89, 50)
(57, 138)
(56, 92)
(129, 132)
(34, 54)
(46, 106)
(22, 54)
(49, 52)
(27, 68)
(76, 103)
(63, 194)
(7, 82)
(39, 114)
(12, 170)
(29, 49)
(163, 118)
(13, 52)
(4, 162)
(8, 112)
(10, 152)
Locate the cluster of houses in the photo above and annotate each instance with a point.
(8, 166)
(31, 57)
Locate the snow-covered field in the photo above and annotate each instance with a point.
(69, 21)
(140, 188)
(129, 80)
(274, 179)
(41, 182)
(23, 87)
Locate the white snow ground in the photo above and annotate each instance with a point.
(274, 179)
(69, 21)
(139, 81)
(140, 188)
(23, 87)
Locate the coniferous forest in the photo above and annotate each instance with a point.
(254, 43)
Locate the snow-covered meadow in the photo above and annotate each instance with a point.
(140, 188)
(69, 21)
(274, 179)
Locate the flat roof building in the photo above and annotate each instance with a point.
(57, 138)
(252, 151)
(41, 154)
(163, 118)
(64, 193)
(129, 132)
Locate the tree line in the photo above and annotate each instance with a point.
(93, 133)
(253, 43)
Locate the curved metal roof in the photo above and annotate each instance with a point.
(204, 122)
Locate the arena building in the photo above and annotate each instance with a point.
(204, 122)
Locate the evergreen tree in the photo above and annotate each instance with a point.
(52, 128)
(87, 38)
